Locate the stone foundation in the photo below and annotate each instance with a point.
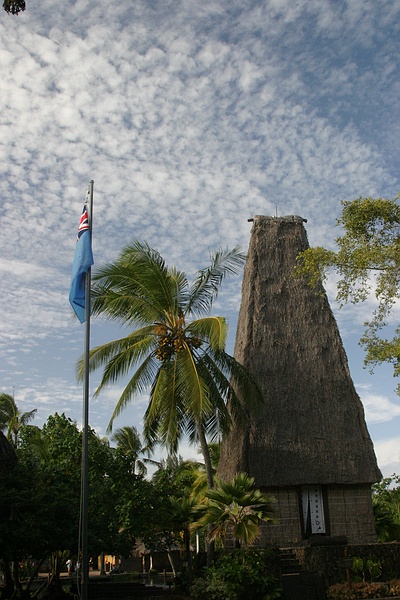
(329, 561)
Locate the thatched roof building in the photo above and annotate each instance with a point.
(312, 429)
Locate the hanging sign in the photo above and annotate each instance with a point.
(313, 508)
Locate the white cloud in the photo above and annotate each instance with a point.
(378, 408)
(190, 119)
(388, 455)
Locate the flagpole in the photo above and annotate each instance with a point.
(85, 445)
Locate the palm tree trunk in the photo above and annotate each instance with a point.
(206, 455)
(186, 537)
(171, 562)
(102, 569)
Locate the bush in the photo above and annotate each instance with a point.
(341, 591)
(366, 569)
(212, 589)
(238, 575)
(394, 587)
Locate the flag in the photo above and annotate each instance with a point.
(83, 260)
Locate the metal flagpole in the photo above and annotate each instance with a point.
(85, 468)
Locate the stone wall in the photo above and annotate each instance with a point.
(287, 531)
(348, 512)
(329, 561)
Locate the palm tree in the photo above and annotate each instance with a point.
(200, 483)
(39, 445)
(176, 349)
(237, 505)
(8, 457)
(128, 440)
(12, 419)
(182, 514)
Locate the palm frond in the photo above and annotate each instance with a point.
(139, 383)
(128, 438)
(245, 393)
(164, 420)
(211, 330)
(120, 355)
(235, 504)
(233, 394)
(26, 417)
(193, 389)
(207, 281)
(8, 409)
(138, 288)
(181, 290)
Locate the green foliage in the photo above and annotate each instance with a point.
(236, 504)
(367, 261)
(14, 6)
(386, 505)
(172, 484)
(341, 591)
(130, 445)
(239, 575)
(40, 498)
(12, 419)
(366, 569)
(175, 477)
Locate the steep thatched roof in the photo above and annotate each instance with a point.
(8, 458)
(312, 428)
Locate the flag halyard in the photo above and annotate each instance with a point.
(83, 260)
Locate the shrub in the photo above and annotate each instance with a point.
(341, 591)
(238, 575)
(366, 569)
(394, 587)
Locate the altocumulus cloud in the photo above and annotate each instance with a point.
(190, 119)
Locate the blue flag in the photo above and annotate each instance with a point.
(83, 260)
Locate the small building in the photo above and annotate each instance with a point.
(310, 446)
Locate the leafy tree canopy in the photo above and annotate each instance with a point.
(386, 505)
(14, 6)
(367, 261)
(236, 504)
(12, 419)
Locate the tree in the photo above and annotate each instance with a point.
(14, 6)
(386, 505)
(8, 457)
(367, 261)
(128, 441)
(176, 348)
(40, 500)
(12, 419)
(39, 503)
(236, 504)
(175, 480)
(182, 514)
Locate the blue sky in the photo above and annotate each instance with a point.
(190, 117)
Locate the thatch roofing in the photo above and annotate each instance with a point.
(8, 458)
(312, 428)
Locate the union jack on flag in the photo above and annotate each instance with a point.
(83, 223)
